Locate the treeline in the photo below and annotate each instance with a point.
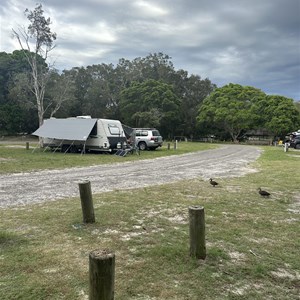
(144, 92)
(163, 97)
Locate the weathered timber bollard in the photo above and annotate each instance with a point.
(175, 145)
(102, 275)
(169, 145)
(197, 232)
(286, 147)
(27, 145)
(86, 202)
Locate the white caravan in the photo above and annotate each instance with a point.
(82, 134)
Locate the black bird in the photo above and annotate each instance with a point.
(263, 193)
(213, 183)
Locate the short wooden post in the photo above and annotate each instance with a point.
(86, 202)
(27, 145)
(286, 147)
(102, 275)
(175, 145)
(197, 232)
(169, 145)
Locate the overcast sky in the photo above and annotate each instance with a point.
(249, 42)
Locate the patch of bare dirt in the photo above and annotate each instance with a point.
(2, 159)
(283, 273)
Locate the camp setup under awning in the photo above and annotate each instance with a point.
(73, 129)
(127, 130)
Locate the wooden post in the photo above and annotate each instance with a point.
(102, 275)
(286, 147)
(27, 145)
(175, 145)
(197, 232)
(169, 145)
(86, 202)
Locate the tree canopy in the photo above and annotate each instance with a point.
(97, 90)
(237, 108)
(278, 114)
(142, 92)
(150, 104)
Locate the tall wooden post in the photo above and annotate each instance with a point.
(169, 146)
(102, 275)
(86, 202)
(197, 232)
(27, 145)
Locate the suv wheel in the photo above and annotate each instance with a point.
(297, 146)
(142, 146)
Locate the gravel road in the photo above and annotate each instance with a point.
(47, 185)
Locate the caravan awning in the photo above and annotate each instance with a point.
(73, 129)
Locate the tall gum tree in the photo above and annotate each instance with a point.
(150, 104)
(38, 40)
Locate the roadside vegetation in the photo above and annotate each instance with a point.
(252, 242)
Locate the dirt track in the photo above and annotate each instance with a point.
(37, 187)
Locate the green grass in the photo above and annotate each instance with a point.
(252, 243)
(15, 158)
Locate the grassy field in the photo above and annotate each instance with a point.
(15, 158)
(252, 243)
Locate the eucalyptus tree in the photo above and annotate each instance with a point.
(10, 65)
(102, 94)
(5, 73)
(82, 81)
(38, 40)
(16, 100)
(156, 66)
(60, 93)
(150, 104)
(191, 90)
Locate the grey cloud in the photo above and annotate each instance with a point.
(248, 42)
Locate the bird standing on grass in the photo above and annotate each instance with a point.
(212, 182)
(263, 193)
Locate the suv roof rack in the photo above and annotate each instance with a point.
(145, 128)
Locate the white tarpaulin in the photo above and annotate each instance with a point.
(73, 129)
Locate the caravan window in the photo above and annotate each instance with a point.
(113, 129)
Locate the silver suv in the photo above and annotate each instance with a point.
(147, 138)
